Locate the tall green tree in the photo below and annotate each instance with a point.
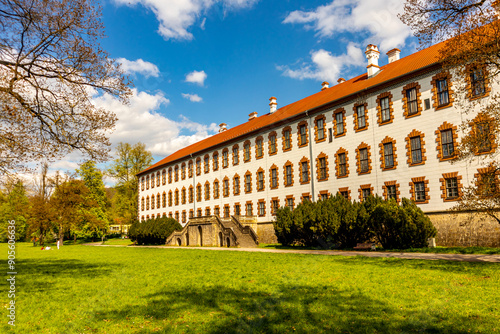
(130, 160)
(74, 210)
(41, 221)
(14, 205)
(42, 218)
(93, 180)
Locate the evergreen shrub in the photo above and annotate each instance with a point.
(153, 231)
(401, 226)
(338, 222)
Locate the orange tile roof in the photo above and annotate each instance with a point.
(387, 73)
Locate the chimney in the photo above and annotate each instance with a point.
(252, 115)
(325, 85)
(393, 55)
(222, 127)
(340, 80)
(273, 105)
(372, 55)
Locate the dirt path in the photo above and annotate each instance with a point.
(416, 256)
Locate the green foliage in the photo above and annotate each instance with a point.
(42, 218)
(310, 224)
(153, 231)
(284, 226)
(14, 206)
(337, 222)
(130, 161)
(97, 219)
(325, 222)
(74, 208)
(353, 218)
(401, 226)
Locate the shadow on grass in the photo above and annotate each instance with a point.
(294, 308)
(40, 272)
(449, 265)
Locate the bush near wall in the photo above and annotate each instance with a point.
(401, 226)
(153, 231)
(338, 222)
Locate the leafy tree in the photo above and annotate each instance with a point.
(14, 205)
(41, 212)
(130, 161)
(470, 31)
(72, 203)
(92, 178)
(42, 218)
(51, 66)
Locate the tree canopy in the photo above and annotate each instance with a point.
(51, 66)
(470, 30)
(130, 160)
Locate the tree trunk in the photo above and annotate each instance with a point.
(61, 235)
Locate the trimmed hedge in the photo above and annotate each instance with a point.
(153, 231)
(340, 223)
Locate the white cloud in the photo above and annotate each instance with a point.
(378, 18)
(326, 66)
(192, 97)
(139, 121)
(65, 165)
(177, 16)
(375, 20)
(139, 66)
(197, 77)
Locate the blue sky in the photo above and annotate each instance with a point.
(198, 63)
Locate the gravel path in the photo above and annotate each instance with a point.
(417, 256)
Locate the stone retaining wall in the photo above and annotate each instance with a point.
(466, 230)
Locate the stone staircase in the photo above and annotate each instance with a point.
(215, 232)
(245, 236)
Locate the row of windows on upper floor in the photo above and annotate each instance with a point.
(487, 180)
(415, 157)
(446, 138)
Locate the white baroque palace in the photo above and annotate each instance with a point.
(391, 131)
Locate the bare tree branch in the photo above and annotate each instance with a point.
(51, 66)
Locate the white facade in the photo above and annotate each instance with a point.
(409, 178)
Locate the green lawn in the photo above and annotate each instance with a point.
(118, 242)
(81, 289)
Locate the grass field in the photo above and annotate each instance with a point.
(83, 289)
